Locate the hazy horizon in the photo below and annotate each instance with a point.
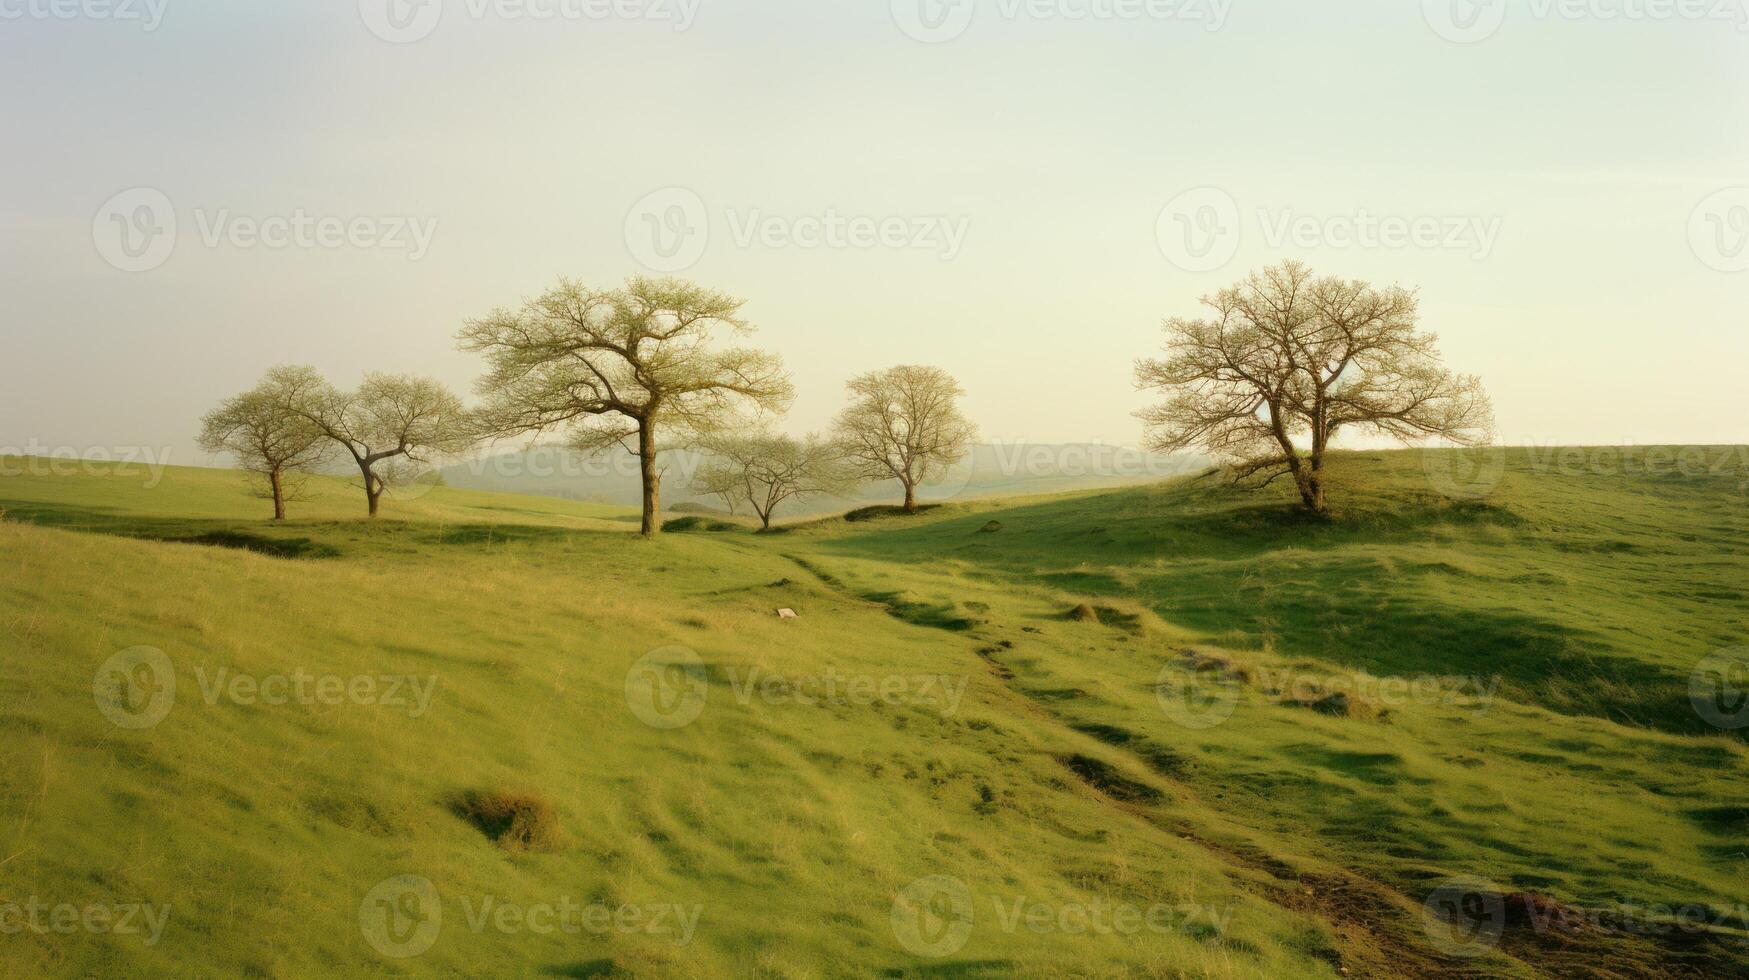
(1048, 188)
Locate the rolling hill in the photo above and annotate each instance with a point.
(1165, 730)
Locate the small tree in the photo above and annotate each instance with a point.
(1287, 361)
(904, 424)
(259, 428)
(630, 367)
(390, 423)
(765, 470)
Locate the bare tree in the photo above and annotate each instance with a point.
(904, 424)
(1287, 361)
(630, 367)
(389, 422)
(266, 436)
(765, 470)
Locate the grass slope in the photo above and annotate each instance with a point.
(1284, 842)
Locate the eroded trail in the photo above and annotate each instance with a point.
(1377, 927)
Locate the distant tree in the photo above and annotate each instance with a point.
(904, 424)
(266, 436)
(766, 470)
(631, 367)
(1287, 361)
(390, 425)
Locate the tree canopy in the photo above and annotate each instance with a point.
(1287, 360)
(634, 367)
(266, 435)
(764, 470)
(904, 424)
(387, 423)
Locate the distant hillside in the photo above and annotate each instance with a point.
(993, 470)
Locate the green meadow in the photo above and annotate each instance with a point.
(1175, 730)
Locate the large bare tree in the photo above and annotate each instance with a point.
(390, 425)
(904, 424)
(632, 367)
(266, 436)
(764, 471)
(1287, 360)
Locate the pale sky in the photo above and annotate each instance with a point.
(1585, 178)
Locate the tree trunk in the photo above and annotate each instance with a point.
(652, 480)
(1315, 477)
(1311, 486)
(373, 491)
(910, 498)
(278, 483)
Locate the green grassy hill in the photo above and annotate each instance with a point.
(934, 771)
